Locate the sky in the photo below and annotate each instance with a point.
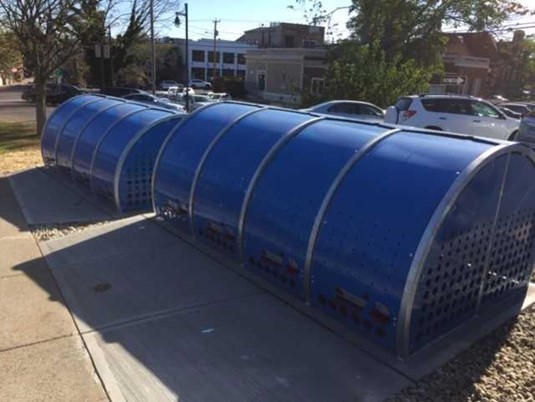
(238, 16)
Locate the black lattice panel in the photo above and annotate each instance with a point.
(510, 262)
(138, 179)
(451, 284)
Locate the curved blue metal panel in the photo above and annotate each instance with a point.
(289, 193)
(75, 125)
(108, 152)
(226, 174)
(55, 123)
(134, 187)
(374, 224)
(93, 133)
(180, 157)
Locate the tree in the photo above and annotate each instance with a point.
(9, 55)
(44, 32)
(396, 46)
(412, 29)
(364, 72)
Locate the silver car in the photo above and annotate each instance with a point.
(526, 131)
(155, 101)
(351, 109)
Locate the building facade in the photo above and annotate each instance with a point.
(282, 75)
(227, 60)
(284, 35)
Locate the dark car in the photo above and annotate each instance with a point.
(55, 94)
(61, 93)
(121, 92)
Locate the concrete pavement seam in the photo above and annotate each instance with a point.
(37, 343)
(78, 333)
(166, 313)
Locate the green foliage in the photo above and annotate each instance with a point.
(364, 72)
(9, 54)
(396, 45)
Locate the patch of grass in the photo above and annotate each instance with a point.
(18, 136)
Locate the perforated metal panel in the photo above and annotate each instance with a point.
(289, 194)
(513, 242)
(55, 123)
(374, 223)
(226, 175)
(92, 134)
(134, 190)
(181, 155)
(75, 125)
(451, 279)
(108, 152)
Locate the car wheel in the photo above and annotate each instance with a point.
(433, 128)
(513, 136)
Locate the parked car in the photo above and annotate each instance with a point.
(510, 113)
(219, 96)
(196, 101)
(121, 92)
(460, 114)
(199, 84)
(526, 132)
(498, 99)
(165, 85)
(176, 93)
(55, 94)
(530, 105)
(516, 107)
(348, 108)
(155, 101)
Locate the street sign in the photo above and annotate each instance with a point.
(454, 80)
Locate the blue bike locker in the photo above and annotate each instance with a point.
(110, 145)
(55, 123)
(66, 139)
(402, 234)
(284, 202)
(181, 155)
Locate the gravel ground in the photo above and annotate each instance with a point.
(48, 232)
(499, 368)
(19, 160)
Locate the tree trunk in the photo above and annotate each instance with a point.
(40, 104)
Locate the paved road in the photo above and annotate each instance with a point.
(13, 108)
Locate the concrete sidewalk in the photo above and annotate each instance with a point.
(42, 355)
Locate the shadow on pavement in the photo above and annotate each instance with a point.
(163, 321)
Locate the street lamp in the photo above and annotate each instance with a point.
(177, 23)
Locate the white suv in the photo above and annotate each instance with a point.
(459, 114)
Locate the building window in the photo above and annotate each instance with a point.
(227, 72)
(289, 41)
(199, 73)
(241, 58)
(197, 55)
(240, 73)
(261, 82)
(211, 57)
(317, 86)
(310, 43)
(228, 58)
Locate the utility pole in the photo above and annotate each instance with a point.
(152, 49)
(215, 42)
(177, 23)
